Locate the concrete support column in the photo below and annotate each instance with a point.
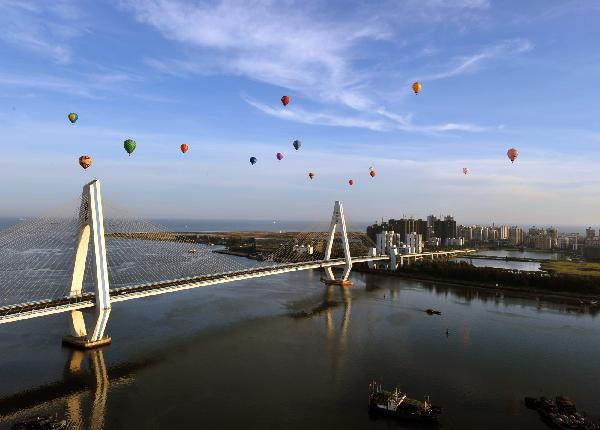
(91, 221)
(372, 253)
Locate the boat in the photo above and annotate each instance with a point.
(561, 413)
(398, 405)
(41, 423)
(193, 251)
(433, 312)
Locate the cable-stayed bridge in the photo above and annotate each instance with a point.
(59, 263)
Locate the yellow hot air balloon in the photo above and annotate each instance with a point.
(416, 87)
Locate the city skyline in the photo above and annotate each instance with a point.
(210, 74)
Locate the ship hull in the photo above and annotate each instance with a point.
(405, 416)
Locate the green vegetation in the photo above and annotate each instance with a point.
(463, 272)
(574, 268)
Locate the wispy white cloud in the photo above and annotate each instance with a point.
(305, 117)
(44, 28)
(294, 48)
(471, 63)
(266, 41)
(386, 121)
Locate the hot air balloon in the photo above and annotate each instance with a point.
(311, 175)
(466, 170)
(285, 100)
(372, 173)
(253, 160)
(416, 87)
(73, 117)
(351, 182)
(129, 146)
(297, 144)
(512, 154)
(279, 156)
(85, 161)
(184, 148)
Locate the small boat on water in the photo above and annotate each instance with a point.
(41, 423)
(433, 312)
(193, 251)
(398, 405)
(561, 413)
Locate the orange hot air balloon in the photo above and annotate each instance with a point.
(416, 87)
(184, 148)
(512, 154)
(466, 170)
(351, 182)
(285, 100)
(311, 175)
(372, 173)
(85, 161)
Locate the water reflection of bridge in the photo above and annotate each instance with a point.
(84, 373)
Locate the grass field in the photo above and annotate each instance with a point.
(571, 268)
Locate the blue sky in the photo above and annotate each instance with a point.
(495, 74)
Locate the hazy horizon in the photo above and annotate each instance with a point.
(211, 74)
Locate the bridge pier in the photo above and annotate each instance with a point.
(372, 253)
(338, 219)
(91, 226)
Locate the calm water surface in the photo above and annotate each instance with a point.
(241, 355)
(514, 265)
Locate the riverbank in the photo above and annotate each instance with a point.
(520, 290)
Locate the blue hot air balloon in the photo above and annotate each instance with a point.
(297, 144)
(253, 160)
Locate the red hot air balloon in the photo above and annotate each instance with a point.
(351, 182)
(279, 156)
(466, 170)
(285, 100)
(372, 173)
(184, 148)
(512, 154)
(311, 175)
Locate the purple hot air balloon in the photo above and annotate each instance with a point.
(279, 156)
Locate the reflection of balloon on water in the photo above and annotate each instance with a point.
(512, 154)
(372, 173)
(351, 182)
(253, 160)
(297, 144)
(279, 156)
(416, 87)
(184, 148)
(73, 117)
(285, 100)
(311, 175)
(466, 170)
(129, 146)
(85, 161)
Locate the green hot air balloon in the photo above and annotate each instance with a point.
(129, 146)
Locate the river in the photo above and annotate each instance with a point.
(240, 356)
(531, 266)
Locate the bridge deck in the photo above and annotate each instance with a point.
(87, 300)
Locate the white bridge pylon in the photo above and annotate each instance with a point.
(338, 219)
(91, 225)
